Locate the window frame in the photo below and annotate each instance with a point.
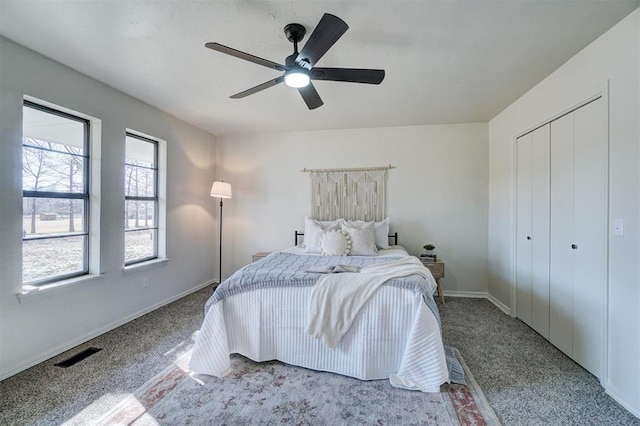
(155, 198)
(85, 196)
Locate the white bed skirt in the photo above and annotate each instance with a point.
(395, 336)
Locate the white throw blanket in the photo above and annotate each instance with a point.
(336, 299)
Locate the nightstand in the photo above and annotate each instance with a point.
(437, 270)
(260, 255)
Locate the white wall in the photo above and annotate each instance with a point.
(436, 193)
(613, 58)
(41, 327)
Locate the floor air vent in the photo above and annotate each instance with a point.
(78, 357)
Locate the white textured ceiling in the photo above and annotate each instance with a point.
(445, 61)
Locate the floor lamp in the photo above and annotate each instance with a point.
(220, 189)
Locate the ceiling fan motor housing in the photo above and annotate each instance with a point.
(295, 33)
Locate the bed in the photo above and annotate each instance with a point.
(262, 311)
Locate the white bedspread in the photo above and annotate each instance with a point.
(395, 336)
(336, 299)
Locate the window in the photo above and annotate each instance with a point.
(141, 199)
(55, 198)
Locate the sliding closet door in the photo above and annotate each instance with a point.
(562, 231)
(590, 256)
(540, 217)
(523, 227)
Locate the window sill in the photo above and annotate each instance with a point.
(144, 266)
(30, 293)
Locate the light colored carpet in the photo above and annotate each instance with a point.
(526, 380)
(275, 393)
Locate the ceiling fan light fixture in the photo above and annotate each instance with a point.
(297, 78)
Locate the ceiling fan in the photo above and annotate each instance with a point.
(299, 68)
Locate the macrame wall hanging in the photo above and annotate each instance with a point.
(352, 194)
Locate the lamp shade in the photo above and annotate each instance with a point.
(221, 189)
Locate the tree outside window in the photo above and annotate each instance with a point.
(141, 199)
(55, 194)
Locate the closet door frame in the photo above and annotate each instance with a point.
(600, 91)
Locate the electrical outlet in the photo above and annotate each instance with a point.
(145, 282)
(618, 227)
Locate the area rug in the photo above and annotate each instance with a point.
(276, 393)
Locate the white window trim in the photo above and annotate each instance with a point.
(145, 266)
(29, 293)
(95, 157)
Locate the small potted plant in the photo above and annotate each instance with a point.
(429, 249)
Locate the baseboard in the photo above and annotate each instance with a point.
(470, 294)
(480, 295)
(504, 308)
(613, 392)
(78, 341)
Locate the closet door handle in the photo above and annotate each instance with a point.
(528, 237)
(573, 246)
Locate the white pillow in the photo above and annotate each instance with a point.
(335, 243)
(327, 223)
(363, 240)
(381, 231)
(313, 231)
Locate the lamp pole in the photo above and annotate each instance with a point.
(220, 189)
(220, 250)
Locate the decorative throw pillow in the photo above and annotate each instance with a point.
(381, 231)
(363, 240)
(313, 231)
(335, 243)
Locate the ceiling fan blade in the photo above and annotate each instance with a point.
(351, 75)
(327, 32)
(246, 56)
(258, 88)
(310, 96)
